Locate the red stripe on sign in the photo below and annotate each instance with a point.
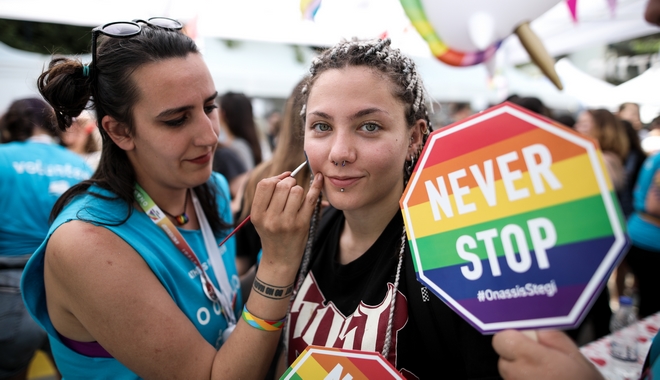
(559, 148)
(477, 136)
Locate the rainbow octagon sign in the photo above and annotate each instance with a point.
(317, 362)
(512, 220)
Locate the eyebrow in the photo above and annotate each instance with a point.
(174, 111)
(361, 113)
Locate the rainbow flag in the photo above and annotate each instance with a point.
(512, 220)
(333, 363)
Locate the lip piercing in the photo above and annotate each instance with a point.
(342, 189)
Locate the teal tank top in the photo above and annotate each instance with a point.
(177, 274)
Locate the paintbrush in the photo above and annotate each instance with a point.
(293, 174)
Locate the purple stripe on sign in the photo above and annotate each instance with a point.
(523, 308)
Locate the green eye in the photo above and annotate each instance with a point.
(371, 127)
(321, 127)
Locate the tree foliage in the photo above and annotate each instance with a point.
(45, 38)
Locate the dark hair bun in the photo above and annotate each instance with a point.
(65, 88)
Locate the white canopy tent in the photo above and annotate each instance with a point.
(592, 92)
(281, 21)
(271, 70)
(644, 88)
(263, 63)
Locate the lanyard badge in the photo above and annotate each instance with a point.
(222, 299)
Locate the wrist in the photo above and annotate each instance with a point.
(278, 269)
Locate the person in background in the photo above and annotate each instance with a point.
(34, 172)
(644, 231)
(630, 113)
(365, 121)
(287, 156)
(533, 104)
(566, 119)
(238, 129)
(609, 132)
(632, 165)
(604, 127)
(227, 162)
(130, 282)
(459, 111)
(274, 122)
(83, 138)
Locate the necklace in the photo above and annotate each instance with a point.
(183, 218)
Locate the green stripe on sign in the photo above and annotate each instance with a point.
(568, 220)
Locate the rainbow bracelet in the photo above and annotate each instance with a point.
(262, 324)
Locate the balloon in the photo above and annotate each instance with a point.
(308, 8)
(473, 30)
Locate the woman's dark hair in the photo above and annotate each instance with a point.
(533, 104)
(23, 116)
(238, 116)
(112, 91)
(633, 137)
(288, 153)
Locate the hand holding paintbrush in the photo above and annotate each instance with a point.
(293, 174)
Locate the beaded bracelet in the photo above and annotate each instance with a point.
(262, 324)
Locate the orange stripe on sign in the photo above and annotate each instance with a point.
(329, 362)
(488, 132)
(559, 148)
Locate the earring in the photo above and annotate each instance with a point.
(410, 166)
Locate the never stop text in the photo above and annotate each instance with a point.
(538, 161)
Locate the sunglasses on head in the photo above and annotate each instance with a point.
(125, 29)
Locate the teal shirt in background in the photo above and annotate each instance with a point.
(642, 233)
(33, 175)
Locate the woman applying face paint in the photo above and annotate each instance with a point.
(130, 282)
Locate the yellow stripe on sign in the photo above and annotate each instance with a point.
(574, 174)
(311, 369)
(40, 367)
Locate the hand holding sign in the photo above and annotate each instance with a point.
(512, 220)
(554, 356)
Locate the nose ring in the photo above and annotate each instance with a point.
(343, 163)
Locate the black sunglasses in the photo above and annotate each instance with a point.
(125, 29)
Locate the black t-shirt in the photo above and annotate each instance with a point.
(228, 163)
(348, 306)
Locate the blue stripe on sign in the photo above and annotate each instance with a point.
(570, 265)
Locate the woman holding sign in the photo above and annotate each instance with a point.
(365, 123)
(130, 282)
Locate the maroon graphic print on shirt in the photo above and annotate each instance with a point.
(312, 321)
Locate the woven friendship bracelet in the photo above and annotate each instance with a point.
(270, 291)
(262, 324)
